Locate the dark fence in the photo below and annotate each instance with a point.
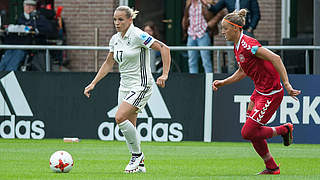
(41, 105)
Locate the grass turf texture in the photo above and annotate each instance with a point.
(94, 159)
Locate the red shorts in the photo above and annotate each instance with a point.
(264, 106)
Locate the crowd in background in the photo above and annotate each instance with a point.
(199, 24)
(37, 25)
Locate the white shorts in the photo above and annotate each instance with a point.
(137, 97)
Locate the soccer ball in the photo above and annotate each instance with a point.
(61, 161)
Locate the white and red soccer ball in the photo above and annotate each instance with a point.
(61, 161)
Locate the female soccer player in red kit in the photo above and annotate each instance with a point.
(265, 69)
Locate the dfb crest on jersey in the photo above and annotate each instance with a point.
(241, 57)
(128, 43)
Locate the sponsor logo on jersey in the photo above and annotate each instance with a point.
(147, 41)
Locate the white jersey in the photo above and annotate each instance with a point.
(132, 54)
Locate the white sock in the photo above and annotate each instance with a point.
(129, 146)
(131, 135)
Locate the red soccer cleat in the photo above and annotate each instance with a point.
(270, 171)
(288, 138)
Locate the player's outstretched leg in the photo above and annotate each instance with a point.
(288, 137)
(261, 147)
(133, 165)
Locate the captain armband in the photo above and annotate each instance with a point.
(254, 49)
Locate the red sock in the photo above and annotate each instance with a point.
(281, 130)
(271, 164)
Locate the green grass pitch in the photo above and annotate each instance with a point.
(95, 159)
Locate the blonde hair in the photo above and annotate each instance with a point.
(129, 11)
(237, 17)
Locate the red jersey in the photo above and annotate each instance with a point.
(265, 77)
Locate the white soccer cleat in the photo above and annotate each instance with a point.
(134, 162)
(141, 167)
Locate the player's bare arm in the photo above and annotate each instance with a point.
(166, 60)
(237, 76)
(275, 59)
(103, 71)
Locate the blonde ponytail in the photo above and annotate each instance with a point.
(134, 14)
(237, 17)
(242, 14)
(129, 11)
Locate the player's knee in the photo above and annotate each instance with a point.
(119, 118)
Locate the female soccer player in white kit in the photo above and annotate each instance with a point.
(130, 49)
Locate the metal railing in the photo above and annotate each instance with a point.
(172, 48)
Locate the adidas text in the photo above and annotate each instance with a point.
(9, 129)
(159, 132)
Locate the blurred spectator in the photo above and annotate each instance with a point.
(199, 25)
(252, 19)
(150, 28)
(37, 28)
